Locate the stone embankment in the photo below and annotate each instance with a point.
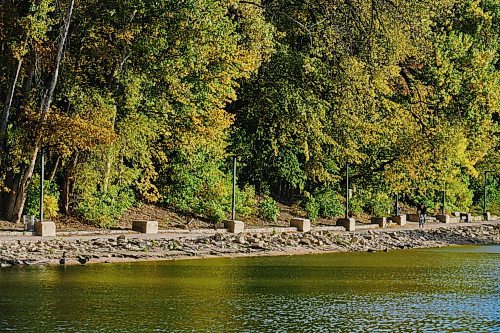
(39, 251)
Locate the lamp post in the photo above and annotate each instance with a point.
(396, 208)
(443, 201)
(347, 222)
(233, 201)
(347, 190)
(42, 162)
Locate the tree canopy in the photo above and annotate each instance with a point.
(146, 101)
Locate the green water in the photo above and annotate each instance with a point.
(435, 290)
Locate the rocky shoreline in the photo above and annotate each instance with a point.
(106, 249)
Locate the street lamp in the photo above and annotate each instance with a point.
(443, 201)
(347, 190)
(347, 222)
(42, 174)
(233, 201)
(396, 205)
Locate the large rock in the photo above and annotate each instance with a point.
(301, 224)
(45, 229)
(305, 241)
(145, 227)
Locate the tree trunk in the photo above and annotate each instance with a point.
(66, 195)
(28, 81)
(19, 190)
(18, 194)
(60, 52)
(69, 181)
(54, 168)
(4, 119)
(8, 103)
(106, 175)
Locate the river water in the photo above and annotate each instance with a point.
(433, 290)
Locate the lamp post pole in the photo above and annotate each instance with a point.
(42, 162)
(347, 190)
(397, 204)
(233, 201)
(443, 201)
(484, 198)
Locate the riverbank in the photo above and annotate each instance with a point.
(108, 248)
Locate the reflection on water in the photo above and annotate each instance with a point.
(435, 290)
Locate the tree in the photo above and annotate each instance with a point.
(19, 185)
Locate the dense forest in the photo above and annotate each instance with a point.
(147, 101)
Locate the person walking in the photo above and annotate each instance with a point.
(422, 211)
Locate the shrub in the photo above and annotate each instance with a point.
(50, 206)
(356, 203)
(330, 204)
(269, 210)
(493, 196)
(103, 209)
(197, 185)
(312, 208)
(458, 196)
(377, 203)
(246, 204)
(209, 194)
(50, 198)
(215, 212)
(381, 204)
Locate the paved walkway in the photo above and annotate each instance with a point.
(195, 233)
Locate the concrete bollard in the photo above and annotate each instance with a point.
(412, 217)
(349, 224)
(29, 223)
(399, 219)
(301, 224)
(487, 216)
(465, 217)
(145, 227)
(381, 221)
(443, 218)
(45, 229)
(234, 226)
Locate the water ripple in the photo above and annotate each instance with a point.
(445, 290)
